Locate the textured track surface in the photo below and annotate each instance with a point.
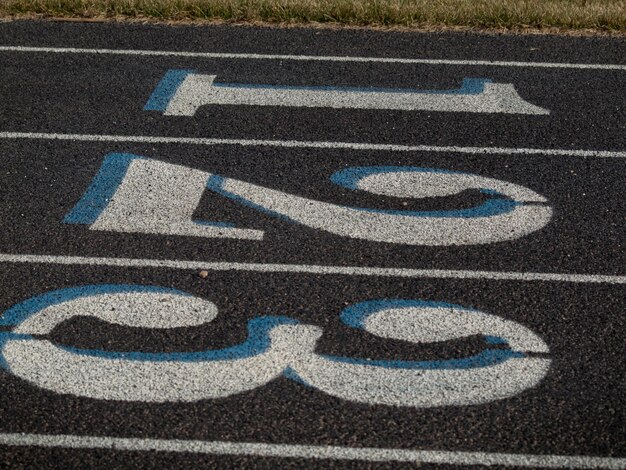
(54, 105)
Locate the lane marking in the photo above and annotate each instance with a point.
(368, 454)
(236, 55)
(314, 269)
(182, 92)
(310, 144)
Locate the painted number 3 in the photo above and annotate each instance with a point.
(276, 346)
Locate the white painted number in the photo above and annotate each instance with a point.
(515, 359)
(135, 194)
(182, 92)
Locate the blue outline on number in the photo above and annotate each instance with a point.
(356, 314)
(102, 188)
(166, 89)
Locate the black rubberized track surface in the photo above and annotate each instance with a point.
(577, 409)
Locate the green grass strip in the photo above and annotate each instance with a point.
(598, 15)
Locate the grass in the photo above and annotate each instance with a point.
(569, 15)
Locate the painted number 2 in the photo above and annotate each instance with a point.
(131, 193)
(514, 360)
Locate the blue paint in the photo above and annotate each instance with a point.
(214, 224)
(216, 184)
(20, 312)
(491, 192)
(166, 89)
(469, 86)
(486, 358)
(495, 340)
(258, 342)
(356, 315)
(291, 374)
(101, 190)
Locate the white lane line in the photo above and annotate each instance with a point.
(310, 144)
(369, 454)
(313, 269)
(236, 55)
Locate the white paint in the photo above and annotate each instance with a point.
(412, 184)
(51, 367)
(46, 365)
(160, 199)
(424, 387)
(433, 324)
(198, 90)
(275, 347)
(312, 144)
(384, 60)
(396, 228)
(219, 266)
(363, 454)
(122, 308)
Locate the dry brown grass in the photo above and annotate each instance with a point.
(596, 15)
